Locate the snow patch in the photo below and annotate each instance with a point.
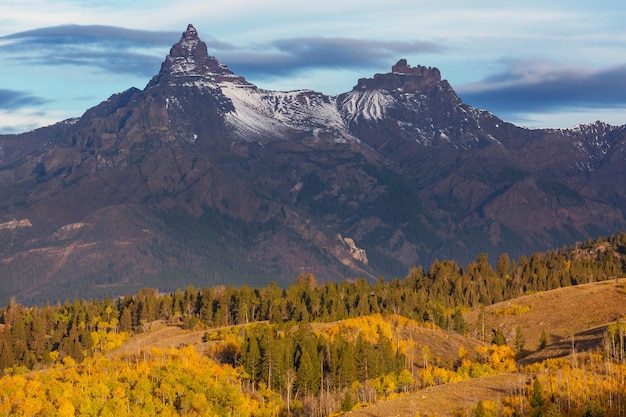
(279, 114)
(16, 224)
(368, 104)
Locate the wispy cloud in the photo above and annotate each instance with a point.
(116, 49)
(109, 48)
(292, 55)
(13, 99)
(544, 86)
(16, 120)
(93, 34)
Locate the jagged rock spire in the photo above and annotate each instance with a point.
(429, 74)
(402, 76)
(190, 46)
(189, 60)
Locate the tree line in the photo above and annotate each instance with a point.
(40, 336)
(293, 348)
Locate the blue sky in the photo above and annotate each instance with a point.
(534, 63)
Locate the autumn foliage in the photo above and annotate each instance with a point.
(155, 382)
(311, 349)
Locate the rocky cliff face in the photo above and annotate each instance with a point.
(203, 178)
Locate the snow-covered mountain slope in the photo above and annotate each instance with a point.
(281, 115)
(251, 113)
(366, 105)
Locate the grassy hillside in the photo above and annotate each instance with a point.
(581, 313)
(447, 400)
(564, 314)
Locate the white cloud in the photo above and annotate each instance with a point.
(569, 118)
(26, 119)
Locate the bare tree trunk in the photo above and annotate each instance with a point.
(290, 378)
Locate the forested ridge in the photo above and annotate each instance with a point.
(275, 356)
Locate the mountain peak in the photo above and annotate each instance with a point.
(402, 76)
(429, 74)
(191, 32)
(189, 61)
(190, 44)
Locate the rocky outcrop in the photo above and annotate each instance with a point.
(356, 253)
(16, 224)
(402, 77)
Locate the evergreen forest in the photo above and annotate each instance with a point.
(314, 348)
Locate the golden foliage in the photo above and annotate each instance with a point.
(164, 382)
(370, 327)
(511, 310)
(107, 341)
(575, 383)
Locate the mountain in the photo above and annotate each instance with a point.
(203, 178)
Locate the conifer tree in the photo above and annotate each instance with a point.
(307, 374)
(346, 370)
(126, 320)
(252, 359)
(519, 341)
(498, 337)
(7, 357)
(458, 323)
(536, 398)
(543, 339)
(18, 339)
(37, 338)
(365, 359)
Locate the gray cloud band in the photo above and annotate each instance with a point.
(558, 88)
(13, 99)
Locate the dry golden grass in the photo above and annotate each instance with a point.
(445, 400)
(162, 336)
(579, 313)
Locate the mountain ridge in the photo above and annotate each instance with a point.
(210, 179)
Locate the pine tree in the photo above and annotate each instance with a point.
(519, 341)
(126, 320)
(206, 306)
(594, 409)
(252, 359)
(365, 359)
(536, 398)
(7, 358)
(479, 410)
(347, 403)
(458, 322)
(385, 356)
(18, 339)
(37, 338)
(307, 374)
(503, 269)
(498, 337)
(71, 345)
(346, 368)
(543, 340)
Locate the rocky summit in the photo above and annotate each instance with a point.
(203, 178)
